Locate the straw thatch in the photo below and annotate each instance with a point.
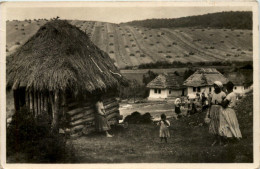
(166, 81)
(205, 77)
(59, 57)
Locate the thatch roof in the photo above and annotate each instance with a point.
(205, 77)
(166, 81)
(59, 57)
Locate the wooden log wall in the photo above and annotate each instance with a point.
(82, 118)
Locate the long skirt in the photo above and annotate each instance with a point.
(229, 126)
(101, 123)
(214, 119)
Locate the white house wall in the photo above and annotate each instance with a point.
(205, 90)
(165, 93)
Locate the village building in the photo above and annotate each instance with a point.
(202, 81)
(166, 86)
(60, 72)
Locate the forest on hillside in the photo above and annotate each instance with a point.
(228, 20)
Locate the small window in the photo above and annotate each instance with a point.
(235, 87)
(155, 90)
(209, 89)
(159, 91)
(194, 89)
(170, 91)
(198, 89)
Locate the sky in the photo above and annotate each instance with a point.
(112, 14)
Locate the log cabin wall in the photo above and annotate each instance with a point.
(81, 114)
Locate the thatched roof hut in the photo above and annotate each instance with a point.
(167, 81)
(59, 66)
(205, 77)
(59, 57)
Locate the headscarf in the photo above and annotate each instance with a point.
(219, 84)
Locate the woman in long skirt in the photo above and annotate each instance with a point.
(215, 110)
(229, 126)
(101, 120)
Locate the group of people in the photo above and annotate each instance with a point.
(219, 110)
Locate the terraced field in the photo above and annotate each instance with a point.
(131, 46)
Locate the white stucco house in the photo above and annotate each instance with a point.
(240, 82)
(202, 81)
(165, 86)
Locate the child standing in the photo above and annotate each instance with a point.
(164, 130)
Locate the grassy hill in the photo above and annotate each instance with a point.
(131, 45)
(229, 20)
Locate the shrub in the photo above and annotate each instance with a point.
(151, 44)
(238, 35)
(226, 36)
(243, 53)
(157, 42)
(16, 28)
(137, 51)
(126, 46)
(177, 56)
(111, 51)
(228, 54)
(191, 53)
(168, 51)
(205, 47)
(238, 49)
(150, 35)
(162, 33)
(133, 45)
(233, 48)
(111, 36)
(250, 50)
(212, 47)
(137, 118)
(23, 33)
(123, 34)
(22, 29)
(129, 35)
(158, 35)
(236, 55)
(17, 43)
(142, 55)
(174, 43)
(145, 37)
(160, 51)
(132, 54)
(211, 34)
(34, 138)
(185, 55)
(131, 40)
(168, 56)
(222, 41)
(169, 45)
(7, 50)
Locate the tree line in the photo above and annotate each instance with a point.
(227, 20)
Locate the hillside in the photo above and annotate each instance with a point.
(131, 45)
(228, 20)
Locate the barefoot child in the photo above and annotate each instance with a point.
(164, 130)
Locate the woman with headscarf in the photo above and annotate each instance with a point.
(215, 110)
(229, 127)
(101, 120)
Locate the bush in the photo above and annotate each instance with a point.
(17, 43)
(137, 118)
(34, 138)
(132, 54)
(168, 56)
(142, 55)
(111, 51)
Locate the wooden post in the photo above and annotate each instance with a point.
(39, 102)
(35, 103)
(55, 111)
(31, 101)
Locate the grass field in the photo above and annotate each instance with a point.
(131, 46)
(189, 142)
